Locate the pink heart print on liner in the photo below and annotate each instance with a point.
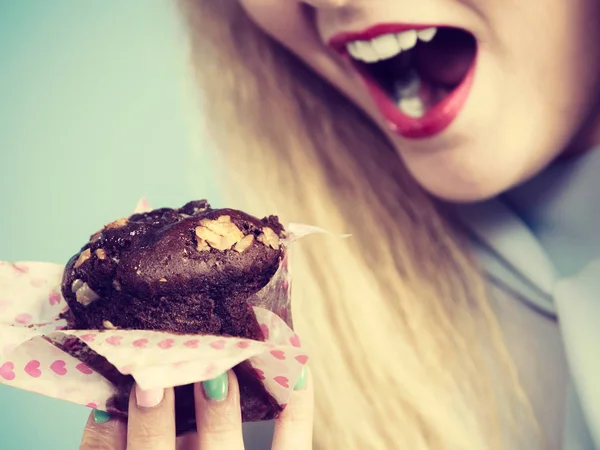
(30, 306)
(155, 359)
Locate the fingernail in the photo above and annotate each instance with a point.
(301, 383)
(150, 398)
(217, 388)
(101, 416)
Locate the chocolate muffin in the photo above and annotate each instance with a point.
(188, 270)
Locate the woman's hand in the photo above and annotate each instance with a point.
(151, 424)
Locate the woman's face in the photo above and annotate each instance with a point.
(476, 95)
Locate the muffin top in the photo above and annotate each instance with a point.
(194, 254)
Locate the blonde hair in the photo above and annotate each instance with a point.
(405, 350)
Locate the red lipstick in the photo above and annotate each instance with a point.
(339, 41)
(436, 119)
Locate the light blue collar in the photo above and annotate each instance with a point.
(535, 242)
(561, 207)
(510, 253)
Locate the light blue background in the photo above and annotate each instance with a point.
(96, 110)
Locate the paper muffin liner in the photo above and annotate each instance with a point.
(30, 325)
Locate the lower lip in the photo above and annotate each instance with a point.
(436, 120)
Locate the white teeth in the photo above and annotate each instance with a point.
(412, 107)
(388, 45)
(354, 50)
(364, 51)
(407, 39)
(427, 34)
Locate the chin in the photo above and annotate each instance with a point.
(462, 186)
(474, 167)
(466, 193)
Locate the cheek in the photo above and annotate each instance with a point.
(556, 62)
(282, 19)
(288, 22)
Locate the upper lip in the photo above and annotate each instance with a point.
(340, 41)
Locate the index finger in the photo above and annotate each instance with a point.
(151, 422)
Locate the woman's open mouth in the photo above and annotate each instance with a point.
(418, 76)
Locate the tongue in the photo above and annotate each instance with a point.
(446, 60)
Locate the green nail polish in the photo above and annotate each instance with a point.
(301, 383)
(217, 388)
(101, 416)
